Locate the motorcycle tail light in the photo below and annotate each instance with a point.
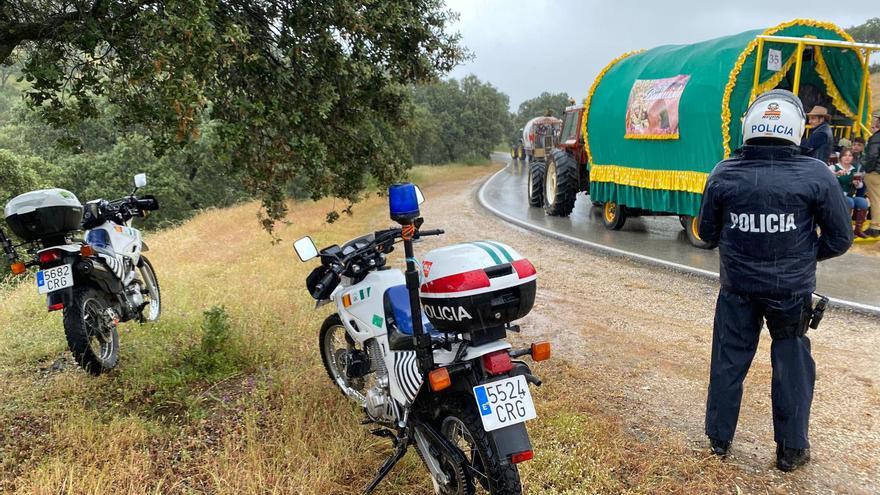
(50, 256)
(439, 379)
(18, 268)
(521, 456)
(541, 351)
(87, 251)
(524, 268)
(497, 362)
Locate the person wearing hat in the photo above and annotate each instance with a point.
(821, 141)
(762, 208)
(871, 167)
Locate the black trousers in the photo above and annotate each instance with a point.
(738, 322)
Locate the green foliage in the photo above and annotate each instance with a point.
(549, 104)
(297, 92)
(867, 32)
(215, 352)
(457, 121)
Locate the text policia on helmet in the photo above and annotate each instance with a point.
(777, 114)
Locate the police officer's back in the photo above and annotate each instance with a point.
(762, 208)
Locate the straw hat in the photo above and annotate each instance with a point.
(818, 111)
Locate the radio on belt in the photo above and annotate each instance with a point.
(476, 289)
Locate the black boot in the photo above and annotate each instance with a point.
(720, 447)
(788, 460)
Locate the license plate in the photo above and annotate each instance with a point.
(504, 403)
(52, 279)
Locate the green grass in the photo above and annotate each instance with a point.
(227, 394)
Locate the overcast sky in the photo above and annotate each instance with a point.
(525, 47)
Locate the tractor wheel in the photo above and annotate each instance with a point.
(692, 228)
(613, 215)
(537, 170)
(684, 220)
(560, 184)
(513, 154)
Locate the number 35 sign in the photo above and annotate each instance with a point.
(774, 60)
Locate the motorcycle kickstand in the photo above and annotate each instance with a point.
(400, 448)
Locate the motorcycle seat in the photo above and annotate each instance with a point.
(398, 316)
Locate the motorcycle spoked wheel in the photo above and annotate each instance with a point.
(335, 344)
(153, 309)
(92, 336)
(463, 428)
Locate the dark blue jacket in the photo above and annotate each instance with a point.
(820, 143)
(762, 208)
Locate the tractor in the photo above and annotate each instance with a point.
(559, 169)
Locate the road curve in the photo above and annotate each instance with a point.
(850, 281)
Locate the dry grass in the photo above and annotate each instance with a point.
(266, 419)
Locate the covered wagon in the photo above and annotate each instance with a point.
(657, 121)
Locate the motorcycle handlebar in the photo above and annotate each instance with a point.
(326, 280)
(424, 233)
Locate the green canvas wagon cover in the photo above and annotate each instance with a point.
(659, 120)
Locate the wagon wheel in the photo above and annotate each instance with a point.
(613, 215)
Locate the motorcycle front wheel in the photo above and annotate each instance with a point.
(336, 345)
(90, 328)
(461, 425)
(153, 295)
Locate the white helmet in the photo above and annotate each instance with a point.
(775, 115)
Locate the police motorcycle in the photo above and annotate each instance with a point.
(99, 281)
(446, 382)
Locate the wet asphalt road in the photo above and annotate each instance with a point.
(853, 277)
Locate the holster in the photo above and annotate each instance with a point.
(790, 322)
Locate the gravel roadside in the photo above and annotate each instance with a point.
(643, 336)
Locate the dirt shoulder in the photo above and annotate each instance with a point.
(640, 337)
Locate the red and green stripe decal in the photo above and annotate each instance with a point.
(491, 247)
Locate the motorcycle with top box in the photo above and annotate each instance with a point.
(99, 280)
(446, 381)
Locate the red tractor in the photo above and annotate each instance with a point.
(555, 180)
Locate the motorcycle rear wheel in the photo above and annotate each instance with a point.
(461, 425)
(90, 328)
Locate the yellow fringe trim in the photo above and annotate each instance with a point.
(669, 180)
(589, 98)
(833, 92)
(740, 61)
(650, 136)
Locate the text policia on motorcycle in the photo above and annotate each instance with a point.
(761, 207)
(446, 382)
(98, 280)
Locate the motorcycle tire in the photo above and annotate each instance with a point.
(151, 289)
(461, 425)
(333, 358)
(92, 336)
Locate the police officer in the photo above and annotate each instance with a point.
(762, 207)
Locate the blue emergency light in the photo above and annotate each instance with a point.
(403, 202)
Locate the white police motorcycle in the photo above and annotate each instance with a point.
(99, 281)
(447, 381)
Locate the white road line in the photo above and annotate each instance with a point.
(481, 198)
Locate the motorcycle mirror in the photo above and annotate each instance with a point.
(419, 196)
(140, 180)
(305, 248)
